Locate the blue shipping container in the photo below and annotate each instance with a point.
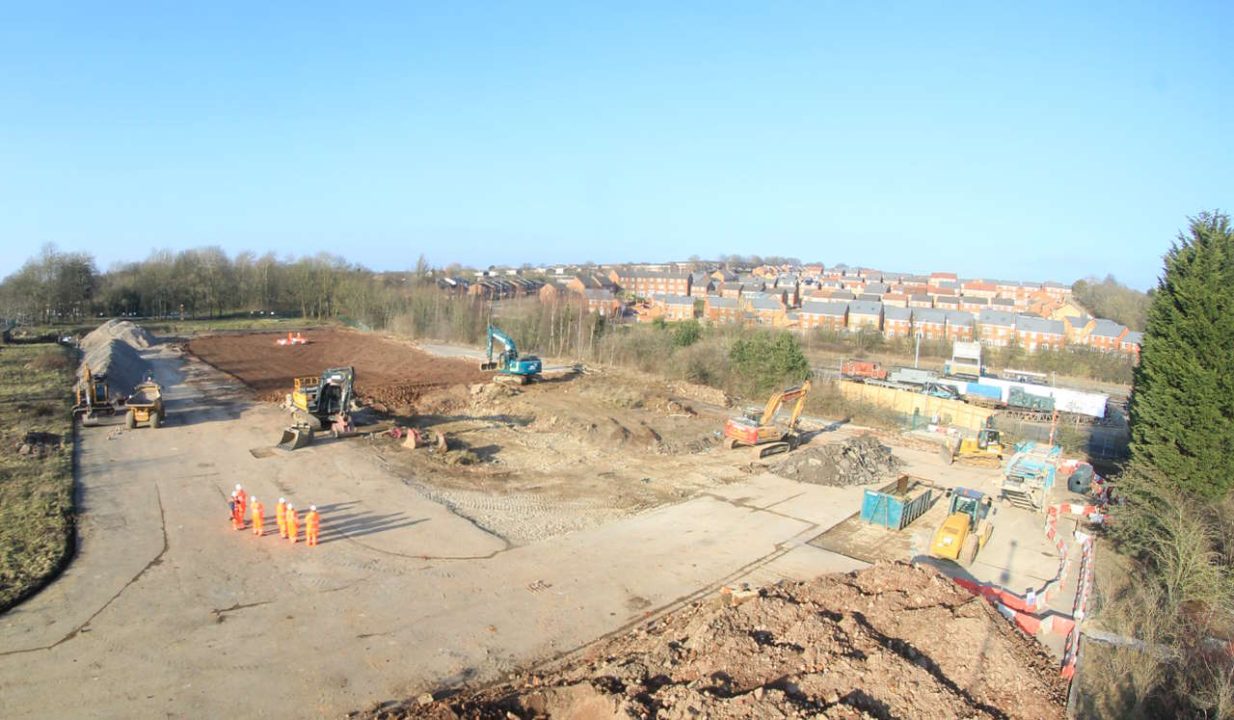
(894, 511)
(988, 391)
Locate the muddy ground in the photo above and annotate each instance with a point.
(388, 372)
(890, 641)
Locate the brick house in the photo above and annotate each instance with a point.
(602, 301)
(995, 328)
(938, 278)
(897, 321)
(1077, 329)
(767, 310)
(896, 300)
(974, 304)
(672, 308)
(645, 283)
(719, 309)
(978, 289)
(961, 326)
(701, 285)
(865, 314)
(931, 323)
(1131, 343)
(832, 316)
(1107, 335)
(1034, 333)
(920, 300)
(946, 302)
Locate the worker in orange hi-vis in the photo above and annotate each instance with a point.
(237, 513)
(312, 525)
(280, 517)
(242, 498)
(293, 523)
(259, 519)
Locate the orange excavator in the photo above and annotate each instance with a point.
(761, 433)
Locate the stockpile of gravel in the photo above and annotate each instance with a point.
(111, 350)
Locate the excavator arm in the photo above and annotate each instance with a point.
(778, 400)
(510, 350)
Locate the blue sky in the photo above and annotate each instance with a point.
(1025, 143)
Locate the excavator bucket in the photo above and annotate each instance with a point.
(296, 437)
(488, 366)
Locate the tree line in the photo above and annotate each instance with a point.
(1111, 299)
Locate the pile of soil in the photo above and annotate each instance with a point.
(111, 350)
(392, 376)
(890, 641)
(862, 460)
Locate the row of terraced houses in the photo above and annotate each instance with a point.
(939, 306)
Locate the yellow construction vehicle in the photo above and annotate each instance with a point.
(92, 398)
(320, 403)
(967, 528)
(761, 432)
(985, 450)
(145, 405)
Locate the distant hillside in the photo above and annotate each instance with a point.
(1111, 299)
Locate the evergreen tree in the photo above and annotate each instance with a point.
(1182, 407)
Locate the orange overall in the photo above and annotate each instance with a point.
(237, 514)
(259, 519)
(242, 499)
(280, 516)
(293, 524)
(312, 525)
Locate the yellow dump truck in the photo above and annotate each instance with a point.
(145, 405)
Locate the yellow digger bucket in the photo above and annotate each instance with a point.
(296, 437)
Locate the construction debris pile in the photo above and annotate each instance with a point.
(890, 641)
(36, 444)
(862, 460)
(112, 348)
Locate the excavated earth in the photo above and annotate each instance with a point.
(389, 374)
(891, 641)
(856, 461)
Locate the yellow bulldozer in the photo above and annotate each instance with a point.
(985, 450)
(967, 528)
(761, 432)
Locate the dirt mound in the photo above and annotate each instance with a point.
(389, 373)
(889, 641)
(119, 363)
(862, 460)
(125, 331)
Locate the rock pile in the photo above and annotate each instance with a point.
(111, 350)
(862, 460)
(890, 641)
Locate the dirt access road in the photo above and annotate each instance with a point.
(166, 611)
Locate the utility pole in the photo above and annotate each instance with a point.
(917, 352)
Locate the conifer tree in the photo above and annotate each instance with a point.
(1182, 405)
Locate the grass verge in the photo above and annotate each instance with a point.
(36, 489)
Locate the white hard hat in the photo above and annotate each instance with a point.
(233, 493)
(313, 508)
(237, 486)
(253, 498)
(282, 500)
(290, 505)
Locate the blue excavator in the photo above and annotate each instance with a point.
(512, 369)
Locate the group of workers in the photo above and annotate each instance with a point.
(284, 514)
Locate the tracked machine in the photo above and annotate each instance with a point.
(320, 403)
(985, 450)
(512, 369)
(761, 432)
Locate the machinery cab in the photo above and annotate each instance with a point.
(325, 401)
(989, 437)
(967, 528)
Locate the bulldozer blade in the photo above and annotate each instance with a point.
(295, 438)
(89, 420)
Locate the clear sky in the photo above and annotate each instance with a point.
(1011, 142)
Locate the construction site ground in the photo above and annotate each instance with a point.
(564, 512)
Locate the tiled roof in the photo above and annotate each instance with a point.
(996, 317)
(864, 307)
(822, 307)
